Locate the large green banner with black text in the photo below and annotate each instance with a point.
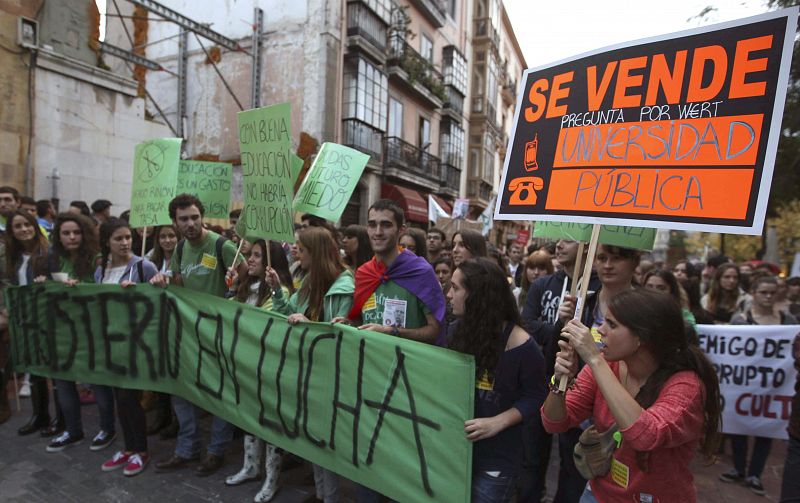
(383, 411)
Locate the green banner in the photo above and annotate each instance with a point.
(330, 181)
(296, 167)
(379, 410)
(640, 238)
(208, 181)
(266, 150)
(155, 175)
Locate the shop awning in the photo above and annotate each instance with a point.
(413, 204)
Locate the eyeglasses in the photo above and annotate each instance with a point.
(768, 293)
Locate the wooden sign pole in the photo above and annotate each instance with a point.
(587, 272)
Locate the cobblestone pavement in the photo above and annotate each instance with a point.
(29, 474)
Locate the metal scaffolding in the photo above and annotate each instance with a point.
(199, 30)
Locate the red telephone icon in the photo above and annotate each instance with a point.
(527, 185)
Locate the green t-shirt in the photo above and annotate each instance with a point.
(199, 269)
(68, 267)
(393, 305)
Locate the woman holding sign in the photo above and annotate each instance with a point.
(73, 259)
(762, 312)
(646, 381)
(255, 291)
(120, 266)
(325, 293)
(165, 241)
(509, 375)
(26, 259)
(615, 268)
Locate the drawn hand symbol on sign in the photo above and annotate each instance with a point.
(531, 148)
(527, 185)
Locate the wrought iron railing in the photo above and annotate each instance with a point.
(479, 188)
(483, 28)
(363, 137)
(401, 154)
(418, 68)
(451, 177)
(362, 21)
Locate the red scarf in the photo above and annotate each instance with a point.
(368, 277)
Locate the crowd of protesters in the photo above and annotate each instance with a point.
(640, 398)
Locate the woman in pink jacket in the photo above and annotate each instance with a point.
(646, 380)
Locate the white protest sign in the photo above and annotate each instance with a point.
(756, 374)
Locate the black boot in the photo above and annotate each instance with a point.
(57, 425)
(40, 401)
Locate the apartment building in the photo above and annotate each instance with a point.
(495, 72)
(405, 86)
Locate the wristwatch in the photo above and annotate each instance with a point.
(395, 331)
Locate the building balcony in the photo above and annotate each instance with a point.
(408, 66)
(502, 145)
(451, 180)
(361, 136)
(405, 161)
(484, 111)
(479, 190)
(366, 31)
(483, 30)
(454, 103)
(433, 10)
(509, 91)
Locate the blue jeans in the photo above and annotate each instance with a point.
(104, 396)
(70, 403)
(758, 458)
(536, 444)
(188, 442)
(488, 489)
(790, 487)
(587, 496)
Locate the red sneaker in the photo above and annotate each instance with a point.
(119, 460)
(136, 464)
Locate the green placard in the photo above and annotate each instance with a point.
(379, 410)
(640, 238)
(297, 167)
(155, 175)
(266, 149)
(330, 181)
(210, 182)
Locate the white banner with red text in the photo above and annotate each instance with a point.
(756, 373)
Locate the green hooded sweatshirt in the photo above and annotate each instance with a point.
(337, 302)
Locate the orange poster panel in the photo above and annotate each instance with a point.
(712, 141)
(683, 192)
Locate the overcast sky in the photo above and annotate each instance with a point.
(550, 30)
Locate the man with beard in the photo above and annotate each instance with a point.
(199, 263)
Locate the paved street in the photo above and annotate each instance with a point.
(28, 474)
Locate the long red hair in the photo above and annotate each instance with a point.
(326, 266)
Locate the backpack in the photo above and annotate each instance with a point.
(217, 251)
